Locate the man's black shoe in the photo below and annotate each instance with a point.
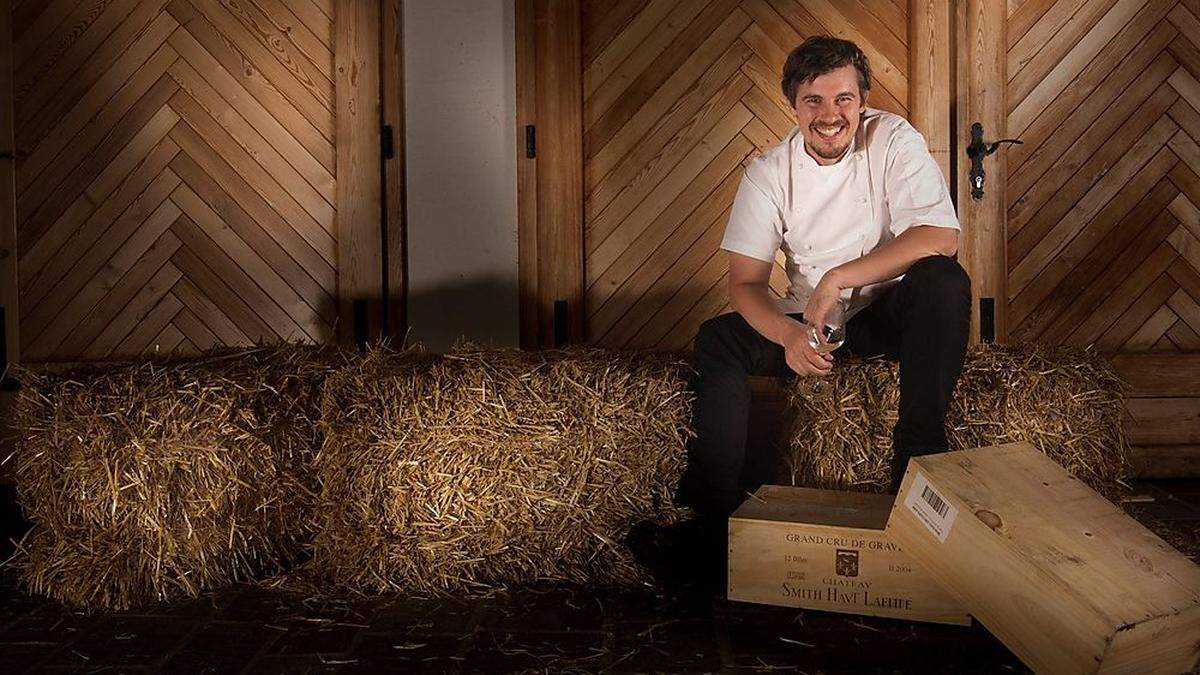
(687, 557)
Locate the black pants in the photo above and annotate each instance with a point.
(923, 321)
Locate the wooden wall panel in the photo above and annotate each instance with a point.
(175, 175)
(1103, 203)
(677, 97)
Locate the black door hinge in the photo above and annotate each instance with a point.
(386, 142)
(530, 142)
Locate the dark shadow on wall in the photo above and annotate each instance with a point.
(482, 310)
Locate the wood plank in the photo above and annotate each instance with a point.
(319, 23)
(9, 279)
(251, 270)
(658, 121)
(1125, 295)
(206, 143)
(309, 92)
(37, 220)
(1139, 201)
(145, 333)
(78, 230)
(608, 242)
(288, 37)
(165, 342)
(1033, 253)
(115, 247)
(46, 92)
(81, 127)
(1137, 314)
(1134, 44)
(1164, 461)
(604, 22)
(606, 309)
(676, 70)
(652, 286)
(1186, 244)
(211, 284)
(1184, 207)
(765, 110)
(1137, 84)
(1036, 35)
(204, 332)
(1028, 96)
(559, 113)
(288, 131)
(774, 26)
(1187, 53)
(1053, 325)
(1188, 310)
(601, 95)
(35, 25)
(930, 87)
(709, 274)
(202, 112)
(527, 198)
(893, 50)
(134, 153)
(713, 303)
(1160, 421)
(1184, 337)
(1150, 332)
(1187, 86)
(359, 186)
(239, 65)
(1023, 17)
(888, 70)
(317, 262)
(140, 308)
(657, 179)
(141, 281)
(281, 187)
(267, 141)
(1163, 375)
(395, 207)
(980, 66)
(242, 281)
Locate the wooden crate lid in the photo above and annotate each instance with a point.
(1060, 527)
(830, 508)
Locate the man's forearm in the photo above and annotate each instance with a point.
(754, 303)
(895, 257)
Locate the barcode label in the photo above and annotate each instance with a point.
(934, 500)
(930, 508)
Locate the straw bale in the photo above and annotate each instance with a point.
(1065, 401)
(495, 469)
(157, 479)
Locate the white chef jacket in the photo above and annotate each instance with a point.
(823, 216)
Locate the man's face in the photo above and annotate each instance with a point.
(828, 110)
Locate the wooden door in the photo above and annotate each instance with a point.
(1101, 204)
(176, 176)
(675, 97)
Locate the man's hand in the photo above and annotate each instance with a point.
(800, 355)
(823, 298)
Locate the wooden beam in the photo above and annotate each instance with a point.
(981, 78)
(526, 75)
(930, 85)
(359, 200)
(396, 249)
(558, 110)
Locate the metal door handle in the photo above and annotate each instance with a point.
(977, 150)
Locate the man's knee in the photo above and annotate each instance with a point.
(716, 332)
(940, 279)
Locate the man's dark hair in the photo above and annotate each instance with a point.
(818, 55)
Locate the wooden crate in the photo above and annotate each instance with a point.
(822, 549)
(1061, 575)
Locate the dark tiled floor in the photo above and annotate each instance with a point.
(256, 630)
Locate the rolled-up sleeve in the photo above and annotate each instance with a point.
(916, 190)
(755, 226)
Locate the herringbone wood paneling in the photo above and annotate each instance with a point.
(1103, 197)
(175, 174)
(678, 95)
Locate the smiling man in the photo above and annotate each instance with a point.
(864, 219)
